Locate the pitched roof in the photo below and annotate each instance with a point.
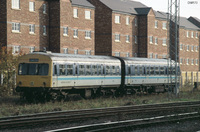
(184, 22)
(125, 6)
(161, 15)
(83, 3)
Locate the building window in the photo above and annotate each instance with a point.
(187, 33)
(32, 28)
(181, 46)
(75, 11)
(156, 41)
(117, 19)
(151, 39)
(88, 52)
(16, 49)
(31, 49)
(44, 30)
(88, 34)
(192, 61)
(197, 35)
(192, 48)
(188, 47)
(135, 39)
(164, 25)
(87, 14)
(196, 61)
(136, 22)
(164, 42)
(192, 34)
(156, 24)
(197, 48)
(76, 51)
(117, 37)
(16, 27)
(44, 8)
(151, 55)
(15, 4)
(117, 53)
(156, 56)
(65, 31)
(181, 61)
(65, 50)
(127, 38)
(187, 61)
(31, 6)
(75, 33)
(127, 54)
(127, 20)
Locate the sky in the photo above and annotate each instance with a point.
(187, 7)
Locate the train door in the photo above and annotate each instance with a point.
(75, 74)
(102, 74)
(55, 75)
(128, 74)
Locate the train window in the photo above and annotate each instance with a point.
(33, 69)
(129, 70)
(62, 70)
(98, 70)
(147, 70)
(136, 70)
(162, 71)
(156, 70)
(108, 70)
(113, 70)
(69, 69)
(132, 70)
(151, 70)
(94, 70)
(81, 70)
(140, 70)
(117, 70)
(88, 70)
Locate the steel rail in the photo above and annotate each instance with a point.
(94, 113)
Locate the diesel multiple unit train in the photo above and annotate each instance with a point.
(46, 75)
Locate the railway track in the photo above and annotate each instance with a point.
(117, 114)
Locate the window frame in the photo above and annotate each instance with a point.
(117, 19)
(16, 27)
(31, 6)
(15, 4)
(87, 14)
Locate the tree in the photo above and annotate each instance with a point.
(8, 65)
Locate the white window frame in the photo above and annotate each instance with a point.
(156, 24)
(181, 61)
(187, 33)
(187, 61)
(196, 62)
(192, 48)
(192, 61)
(156, 56)
(15, 4)
(76, 51)
(117, 19)
(65, 50)
(136, 22)
(44, 8)
(181, 46)
(151, 39)
(187, 47)
(31, 6)
(117, 37)
(65, 31)
(16, 49)
(15, 27)
(197, 48)
(88, 34)
(192, 34)
(164, 42)
(127, 54)
(88, 52)
(127, 38)
(44, 30)
(87, 14)
(156, 40)
(75, 13)
(31, 49)
(32, 28)
(117, 53)
(164, 26)
(75, 34)
(197, 34)
(151, 55)
(127, 20)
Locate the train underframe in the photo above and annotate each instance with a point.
(47, 94)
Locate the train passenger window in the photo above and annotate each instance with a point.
(108, 70)
(162, 71)
(132, 70)
(156, 70)
(88, 70)
(141, 72)
(151, 70)
(23, 69)
(117, 70)
(129, 70)
(113, 70)
(136, 70)
(147, 70)
(94, 70)
(81, 70)
(69, 69)
(98, 70)
(62, 70)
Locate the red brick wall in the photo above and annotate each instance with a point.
(25, 17)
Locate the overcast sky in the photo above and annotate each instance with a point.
(187, 7)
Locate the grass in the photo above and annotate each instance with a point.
(12, 106)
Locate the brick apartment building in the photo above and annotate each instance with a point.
(96, 27)
(59, 25)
